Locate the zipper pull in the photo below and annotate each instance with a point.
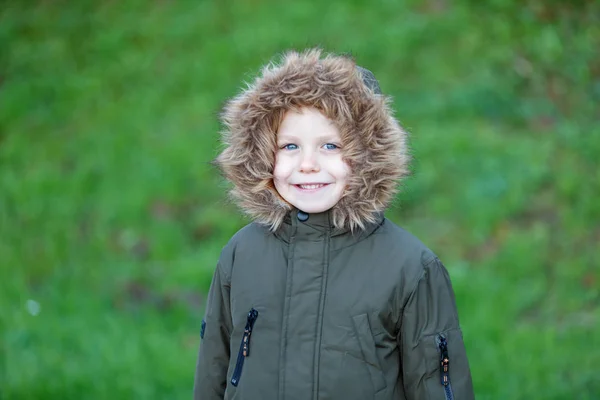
(252, 316)
(444, 361)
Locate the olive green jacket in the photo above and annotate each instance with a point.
(316, 312)
(337, 305)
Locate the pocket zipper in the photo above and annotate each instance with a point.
(244, 347)
(444, 366)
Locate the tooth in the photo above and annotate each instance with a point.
(313, 186)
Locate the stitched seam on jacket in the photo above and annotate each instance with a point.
(319, 329)
(225, 284)
(286, 310)
(407, 300)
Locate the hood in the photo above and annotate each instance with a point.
(374, 144)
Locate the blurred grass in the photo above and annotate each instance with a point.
(111, 219)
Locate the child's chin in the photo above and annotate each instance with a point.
(313, 208)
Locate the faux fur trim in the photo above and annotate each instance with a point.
(374, 144)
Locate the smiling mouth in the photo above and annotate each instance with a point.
(312, 186)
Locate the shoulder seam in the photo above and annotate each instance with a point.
(220, 265)
(421, 277)
(430, 261)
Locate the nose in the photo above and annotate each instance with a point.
(309, 162)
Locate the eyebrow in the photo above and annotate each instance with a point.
(324, 138)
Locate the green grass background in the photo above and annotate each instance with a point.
(112, 219)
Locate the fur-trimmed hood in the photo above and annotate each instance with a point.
(374, 144)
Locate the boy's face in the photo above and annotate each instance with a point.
(309, 171)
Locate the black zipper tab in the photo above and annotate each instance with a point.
(445, 366)
(252, 315)
(244, 346)
(444, 362)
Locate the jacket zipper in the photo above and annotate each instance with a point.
(244, 347)
(445, 366)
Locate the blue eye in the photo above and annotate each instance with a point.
(331, 146)
(290, 146)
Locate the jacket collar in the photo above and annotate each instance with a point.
(298, 225)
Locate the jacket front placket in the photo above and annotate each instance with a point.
(306, 285)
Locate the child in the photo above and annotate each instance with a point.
(321, 297)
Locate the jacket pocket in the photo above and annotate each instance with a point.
(364, 335)
(244, 347)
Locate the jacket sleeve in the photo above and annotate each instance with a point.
(213, 358)
(434, 360)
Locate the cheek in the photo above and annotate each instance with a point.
(340, 170)
(283, 168)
